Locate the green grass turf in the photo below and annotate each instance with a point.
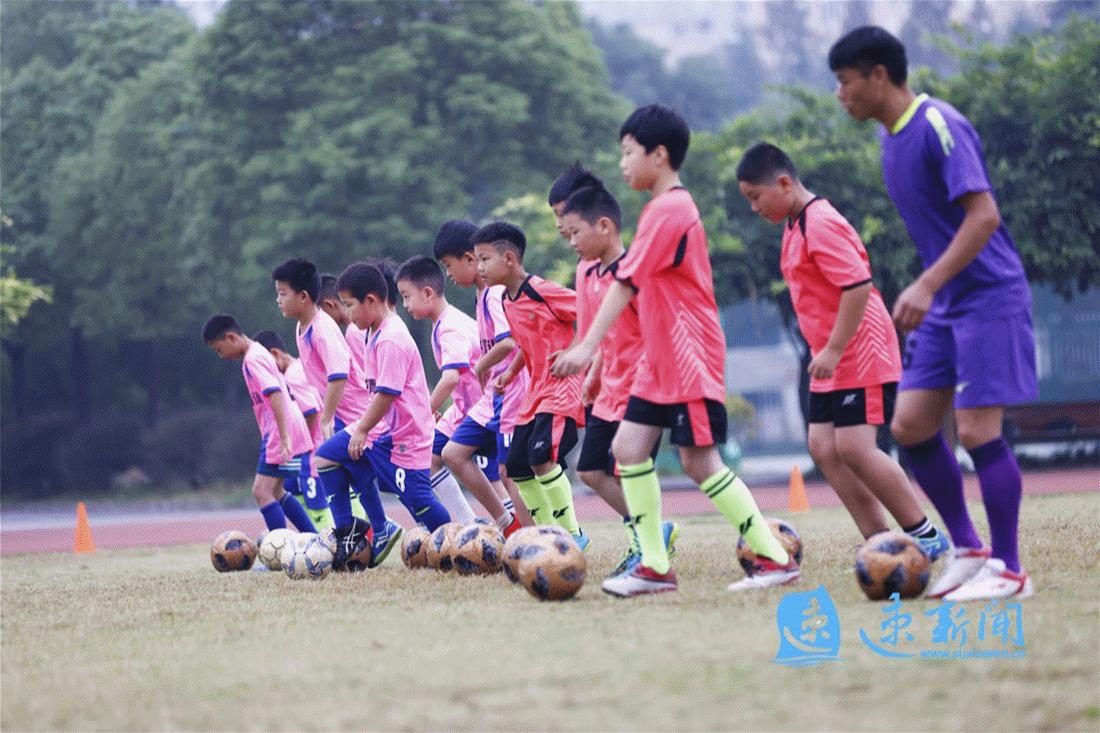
(155, 639)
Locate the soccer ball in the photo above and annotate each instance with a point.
(232, 550)
(271, 546)
(891, 562)
(414, 547)
(515, 551)
(441, 545)
(307, 557)
(787, 537)
(477, 550)
(552, 567)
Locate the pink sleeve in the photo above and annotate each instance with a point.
(266, 375)
(333, 351)
(393, 366)
(837, 251)
(454, 350)
(654, 246)
(501, 329)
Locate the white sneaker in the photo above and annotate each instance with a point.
(963, 563)
(773, 575)
(992, 582)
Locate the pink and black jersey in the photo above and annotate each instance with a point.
(822, 257)
(325, 357)
(542, 315)
(455, 346)
(262, 377)
(400, 372)
(492, 328)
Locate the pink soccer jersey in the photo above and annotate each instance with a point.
(325, 357)
(455, 346)
(262, 377)
(492, 327)
(357, 343)
(305, 396)
(401, 373)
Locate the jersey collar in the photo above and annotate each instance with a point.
(907, 115)
(801, 218)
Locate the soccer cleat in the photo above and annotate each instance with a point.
(963, 563)
(349, 541)
(384, 541)
(670, 531)
(993, 581)
(640, 581)
(629, 559)
(934, 546)
(582, 540)
(768, 575)
(632, 555)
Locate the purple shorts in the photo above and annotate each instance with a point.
(990, 362)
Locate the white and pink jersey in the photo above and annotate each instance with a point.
(455, 346)
(492, 328)
(305, 396)
(325, 357)
(262, 377)
(400, 372)
(357, 343)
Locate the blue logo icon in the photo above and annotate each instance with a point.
(809, 629)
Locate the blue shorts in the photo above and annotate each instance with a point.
(484, 439)
(413, 486)
(990, 362)
(335, 449)
(297, 467)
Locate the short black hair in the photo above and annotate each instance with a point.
(865, 48)
(269, 340)
(502, 235)
(423, 272)
(217, 326)
(453, 238)
(655, 125)
(328, 289)
(573, 179)
(763, 163)
(301, 275)
(388, 268)
(594, 202)
(361, 279)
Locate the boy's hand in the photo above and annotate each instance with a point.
(912, 306)
(481, 372)
(501, 383)
(571, 360)
(357, 443)
(437, 415)
(284, 448)
(327, 430)
(591, 388)
(824, 364)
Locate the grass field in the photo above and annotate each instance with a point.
(155, 640)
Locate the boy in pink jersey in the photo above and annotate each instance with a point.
(329, 367)
(285, 444)
(456, 348)
(309, 492)
(329, 301)
(401, 458)
(478, 448)
(856, 362)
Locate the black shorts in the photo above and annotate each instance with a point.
(857, 406)
(696, 423)
(596, 446)
(544, 439)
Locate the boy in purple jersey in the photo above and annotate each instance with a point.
(968, 315)
(285, 444)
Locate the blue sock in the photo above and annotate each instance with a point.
(366, 483)
(296, 513)
(334, 482)
(314, 492)
(429, 512)
(273, 516)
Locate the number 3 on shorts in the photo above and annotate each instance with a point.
(399, 479)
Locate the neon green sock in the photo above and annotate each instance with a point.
(559, 499)
(733, 499)
(642, 492)
(530, 490)
(357, 509)
(322, 518)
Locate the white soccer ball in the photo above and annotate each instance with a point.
(271, 547)
(307, 557)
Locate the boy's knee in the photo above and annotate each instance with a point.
(627, 453)
(323, 463)
(454, 455)
(822, 450)
(590, 478)
(908, 430)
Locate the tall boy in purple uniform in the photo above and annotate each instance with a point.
(968, 315)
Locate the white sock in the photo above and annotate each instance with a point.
(450, 495)
(504, 520)
(509, 505)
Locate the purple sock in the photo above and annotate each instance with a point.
(934, 467)
(999, 477)
(296, 514)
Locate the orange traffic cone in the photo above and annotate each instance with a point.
(797, 501)
(82, 540)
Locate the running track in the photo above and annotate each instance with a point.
(54, 533)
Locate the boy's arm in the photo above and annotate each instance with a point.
(981, 220)
(312, 421)
(278, 409)
(853, 304)
(376, 410)
(333, 394)
(500, 351)
(592, 380)
(578, 357)
(448, 380)
(510, 373)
